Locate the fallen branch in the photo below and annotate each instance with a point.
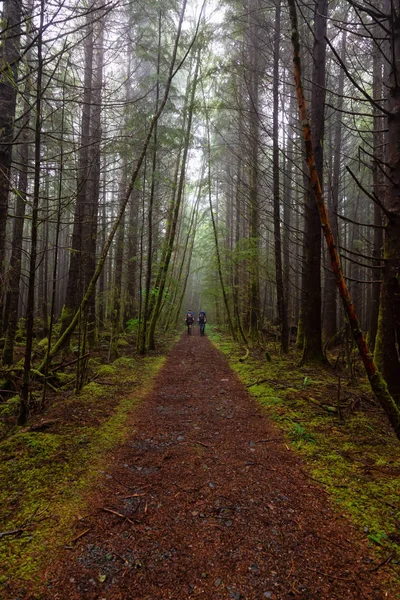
(11, 532)
(114, 512)
(201, 444)
(384, 562)
(68, 364)
(78, 537)
(43, 425)
(133, 496)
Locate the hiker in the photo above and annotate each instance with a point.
(202, 320)
(189, 319)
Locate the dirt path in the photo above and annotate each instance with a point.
(209, 503)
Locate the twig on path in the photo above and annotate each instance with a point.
(133, 496)
(114, 512)
(214, 525)
(80, 535)
(270, 440)
(384, 562)
(291, 569)
(127, 487)
(201, 444)
(11, 532)
(258, 464)
(329, 575)
(312, 479)
(330, 542)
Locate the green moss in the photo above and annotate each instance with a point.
(355, 458)
(46, 476)
(105, 370)
(124, 361)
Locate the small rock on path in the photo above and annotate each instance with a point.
(206, 501)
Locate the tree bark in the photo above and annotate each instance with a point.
(312, 350)
(9, 54)
(388, 338)
(24, 406)
(377, 382)
(281, 300)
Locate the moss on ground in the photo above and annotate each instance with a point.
(348, 445)
(46, 474)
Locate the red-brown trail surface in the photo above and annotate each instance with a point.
(206, 501)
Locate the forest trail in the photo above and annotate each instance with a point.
(206, 501)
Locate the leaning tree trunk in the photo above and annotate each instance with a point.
(377, 382)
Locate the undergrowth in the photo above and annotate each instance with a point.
(45, 474)
(344, 437)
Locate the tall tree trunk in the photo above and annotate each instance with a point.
(9, 54)
(147, 307)
(131, 306)
(312, 350)
(24, 406)
(388, 338)
(330, 292)
(93, 184)
(13, 294)
(281, 300)
(254, 141)
(379, 190)
(81, 230)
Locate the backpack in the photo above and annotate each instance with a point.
(202, 316)
(189, 317)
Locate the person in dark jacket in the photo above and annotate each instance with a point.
(202, 320)
(189, 320)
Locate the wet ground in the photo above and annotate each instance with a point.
(207, 501)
